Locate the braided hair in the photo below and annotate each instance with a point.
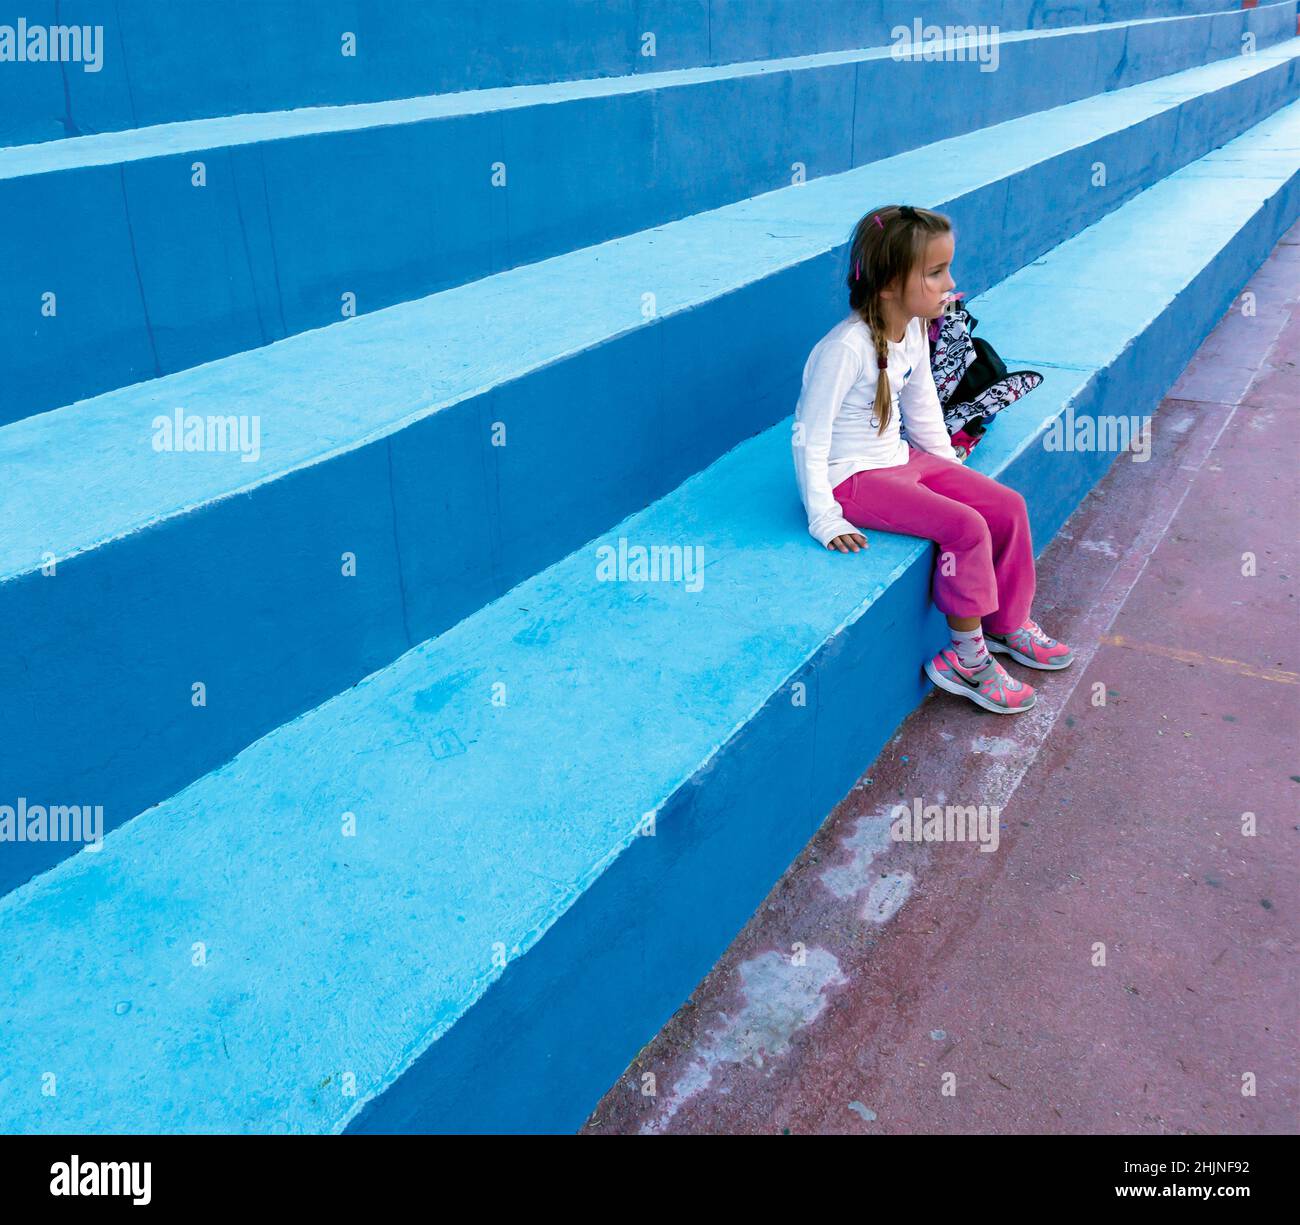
(887, 245)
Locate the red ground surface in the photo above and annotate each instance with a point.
(888, 987)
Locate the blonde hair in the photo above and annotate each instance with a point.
(888, 244)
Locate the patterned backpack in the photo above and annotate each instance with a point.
(971, 379)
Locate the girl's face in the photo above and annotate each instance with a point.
(930, 281)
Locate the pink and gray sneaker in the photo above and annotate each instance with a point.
(1029, 645)
(987, 685)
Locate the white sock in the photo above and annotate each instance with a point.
(969, 645)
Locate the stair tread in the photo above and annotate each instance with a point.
(88, 474)
(194, 135)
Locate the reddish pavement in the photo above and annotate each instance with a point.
(890, 987)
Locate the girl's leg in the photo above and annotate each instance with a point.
(896, 500)
(965, 586)
(1007, 516)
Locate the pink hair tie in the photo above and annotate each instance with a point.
(876, 218)
(857, 269)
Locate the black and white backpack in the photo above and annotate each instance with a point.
(971, 379)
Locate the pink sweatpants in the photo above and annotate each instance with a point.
(983, 525)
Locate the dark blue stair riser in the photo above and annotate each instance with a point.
(161, 61)
(171, 275)
(603, 981)
(247, 596)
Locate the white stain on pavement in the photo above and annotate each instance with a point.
(993, 746)
(781, 998)
(887, 897)
(1105, 547)
(869, 838)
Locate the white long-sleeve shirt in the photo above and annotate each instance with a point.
(836, 430)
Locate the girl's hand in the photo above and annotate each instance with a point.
(848, 543)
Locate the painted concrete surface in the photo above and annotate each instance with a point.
(168, 62)
(192, 135)
(244, 864)
(874, 968)
(326, 392)
(430, 558)
(277, 235)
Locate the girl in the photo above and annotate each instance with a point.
(853, 467)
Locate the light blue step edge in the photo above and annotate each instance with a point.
(500, 776)
(279, 233)
(165, 62)
(176, 569)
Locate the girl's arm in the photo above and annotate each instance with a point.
(828, 374)
(919, 405)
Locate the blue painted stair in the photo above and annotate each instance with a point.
(159, 62)
(215, 236)
(462, 892)
(179, 568)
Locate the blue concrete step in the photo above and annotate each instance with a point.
(549, 822)
(279, 238)
(162, 61)
(377, 442)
